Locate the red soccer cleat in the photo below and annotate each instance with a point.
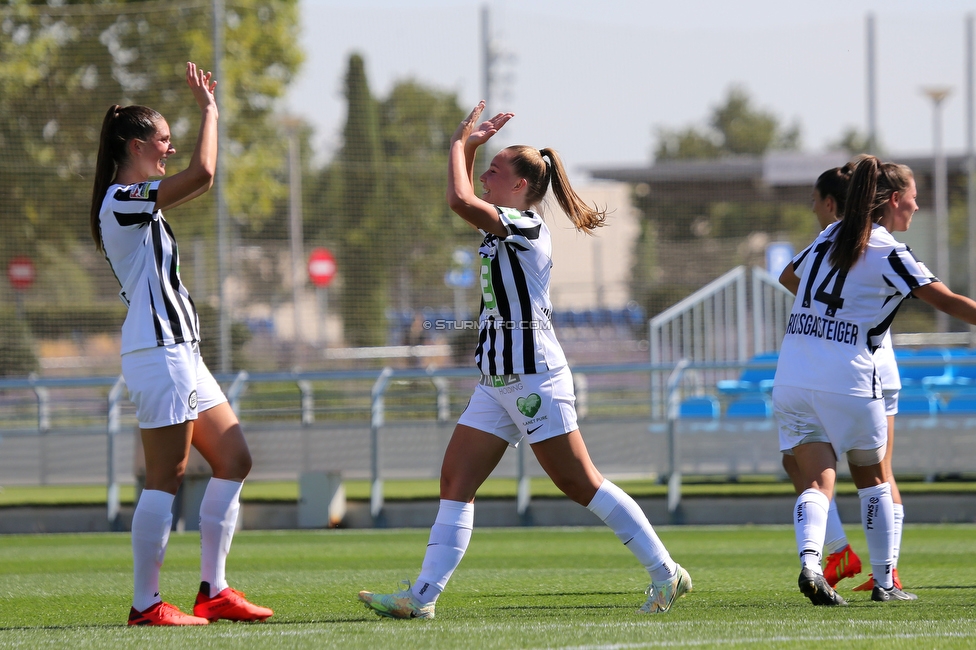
(843, 564)
(163, 614)
(868, 584)
(229, 604)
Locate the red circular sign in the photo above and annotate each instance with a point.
(321, 267)
(20, 272)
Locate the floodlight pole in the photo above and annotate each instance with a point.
(222, 225)
(940, 181)
(296, 240)
(871, 86)
(489, 59)
(971, 163)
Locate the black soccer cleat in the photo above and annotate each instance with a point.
(814, 586)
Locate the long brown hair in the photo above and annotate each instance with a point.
(872, 184)
(834, 182)
(118, 127)
(529, 163)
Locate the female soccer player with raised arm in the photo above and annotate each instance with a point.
(827, 393)
(178, 402)
(526, 388)
(829, 199)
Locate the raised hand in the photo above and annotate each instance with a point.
(202, 85)
(467, 132)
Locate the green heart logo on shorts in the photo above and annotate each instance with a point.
(530, 405)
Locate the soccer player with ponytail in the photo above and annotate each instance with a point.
(178, 402)
(526, 389)
(827, 393)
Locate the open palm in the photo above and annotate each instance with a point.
(489, 128)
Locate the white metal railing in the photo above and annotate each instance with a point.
(936, 441)
(712, 326)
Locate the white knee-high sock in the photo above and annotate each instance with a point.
(218, 520)
(151, 523)
(835, 539)
(878, 519)
(449, 538)
(810, 526)
(899, 512)
(629, 523)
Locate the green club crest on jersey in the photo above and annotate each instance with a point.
(530, 405)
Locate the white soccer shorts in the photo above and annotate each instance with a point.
(169, 384)
(536, 407)
(845, 421)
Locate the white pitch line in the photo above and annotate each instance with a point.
(756, 640)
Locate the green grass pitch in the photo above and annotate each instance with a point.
(516, 588)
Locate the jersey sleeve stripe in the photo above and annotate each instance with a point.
(798, 260)
(132, 219)
(899, 267)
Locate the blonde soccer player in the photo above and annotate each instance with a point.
(526, 389)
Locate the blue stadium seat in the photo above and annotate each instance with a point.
(561, 318)
(963, 403)
(703, 407)
(635, 315)
(935, 371)
(963, 374)
(917, 404)
(752, 380)
(750, 406)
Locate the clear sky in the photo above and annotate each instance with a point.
(594, 78)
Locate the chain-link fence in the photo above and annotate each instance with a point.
(296, 264)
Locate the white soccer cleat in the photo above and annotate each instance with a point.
(661, 595)
(401, 604)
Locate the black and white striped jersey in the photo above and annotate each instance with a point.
(840, 319)
(140, 247)
(515, 326)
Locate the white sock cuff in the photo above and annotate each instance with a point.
(455, 513)
(157, 502)
(899, 510)
(605, 500)
(874, 491)
(811, 495)
(224, 490)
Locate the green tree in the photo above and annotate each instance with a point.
(63, 64)
(381, 204)
(854, 142)
(735, 127)
(416, 124)
(360, 217)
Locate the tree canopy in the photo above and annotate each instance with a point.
(734, 127)
(381, 203)
(63, 64)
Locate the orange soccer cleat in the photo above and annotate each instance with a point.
(868, 585)
(163, 614)
(229, 604)
(843, 564)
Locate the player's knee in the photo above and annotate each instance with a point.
(233, 466)
(578, 488)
